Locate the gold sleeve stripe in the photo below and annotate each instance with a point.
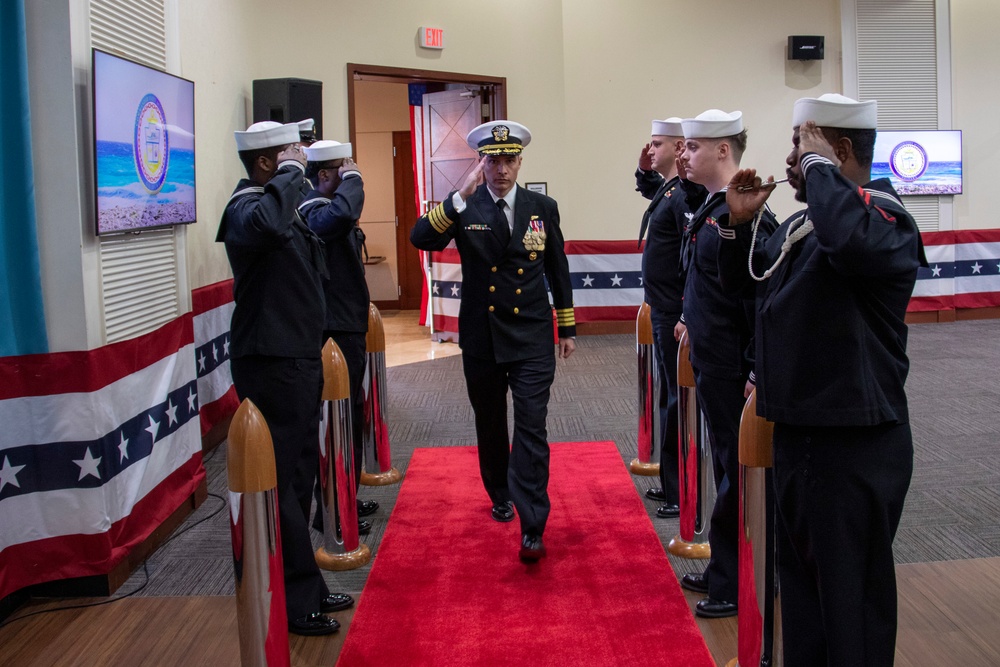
(439, 221)
(565, 317)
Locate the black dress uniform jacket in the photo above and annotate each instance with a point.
(277, 263)
(831, 340)
(720, 323)
(665, 218)
(505, 314)
(335, 221)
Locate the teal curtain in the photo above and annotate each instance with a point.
(22, 320)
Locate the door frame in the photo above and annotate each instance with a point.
(356, 72)
(360, 72)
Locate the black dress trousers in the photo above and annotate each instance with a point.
(287, 392)
(517, 471)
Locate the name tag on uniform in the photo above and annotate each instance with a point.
(478, 228)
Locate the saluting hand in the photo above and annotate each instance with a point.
(645, 162)
(348, 165)
(293, 152)
(746, 194)
(473, 180)
(812, 140)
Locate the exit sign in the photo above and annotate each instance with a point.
(432, 38)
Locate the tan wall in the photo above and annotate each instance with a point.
(381, 109)
(975, 54)
(221, 63)
(586, 76)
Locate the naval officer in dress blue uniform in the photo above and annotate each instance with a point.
(277, 327)
(720, 328)
(668, 213)
(834, 281)
(332, 210)
(510, 243)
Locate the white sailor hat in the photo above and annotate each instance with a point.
(713, 124)
(833, 110)
(326, 150)
(266, 134)
(499, 137)
(671, 127)
(306, 125)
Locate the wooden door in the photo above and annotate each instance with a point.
(409, 271)
(449, 116)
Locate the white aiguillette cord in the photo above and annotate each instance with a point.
(798, 229)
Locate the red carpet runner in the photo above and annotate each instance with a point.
(447, 588)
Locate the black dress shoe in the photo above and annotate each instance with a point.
(503, 512)
(336, 602)
(712, 608)
(668, 511)
(656, 494)
(532, 549)
(694, 582)
(366, 507)
(313, 624)
(364, 526)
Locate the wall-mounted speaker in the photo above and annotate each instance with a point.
(805, 47)
(288, 101)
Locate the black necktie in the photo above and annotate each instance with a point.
(503, 226)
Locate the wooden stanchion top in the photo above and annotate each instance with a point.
(375, 338)
(250, 454)
(644, 325)
(756, 434)
(336, 379)
(685, 373)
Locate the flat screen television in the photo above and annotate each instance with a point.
(927, 162)
(143, 146)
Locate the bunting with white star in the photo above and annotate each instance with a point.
(212, 307)
(97, 450)
(963, 271)
(606, 277)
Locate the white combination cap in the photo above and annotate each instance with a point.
(499, 137)
(266, 134)
(713, 124)
(326, 150)
(833, 110)
(671, 127)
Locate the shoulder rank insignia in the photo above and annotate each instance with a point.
(534, 238)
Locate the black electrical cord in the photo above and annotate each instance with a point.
(145, 569)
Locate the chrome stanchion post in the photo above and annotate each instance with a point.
(759, 627)
(647, 463)
(378, 470)
(341, 549)
(697, 484)
(256, 535)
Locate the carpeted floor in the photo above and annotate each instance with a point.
(448, 588)
(951, 511)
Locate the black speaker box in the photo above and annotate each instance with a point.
(805, 47)
(288, 101)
